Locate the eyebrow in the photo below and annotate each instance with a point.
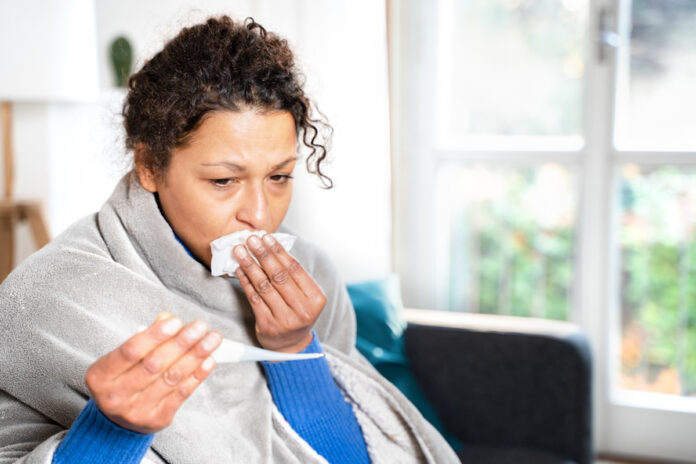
(239, 167)
(287, 161)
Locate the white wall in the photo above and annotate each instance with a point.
(68, 154)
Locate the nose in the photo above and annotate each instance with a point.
(254, 210)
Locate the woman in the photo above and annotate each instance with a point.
(213, 121)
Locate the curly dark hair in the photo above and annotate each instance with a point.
(218, 65)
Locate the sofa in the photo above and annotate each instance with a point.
(512, 390)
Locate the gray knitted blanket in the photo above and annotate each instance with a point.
(94, 285)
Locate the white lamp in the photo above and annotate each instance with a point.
(48, 54)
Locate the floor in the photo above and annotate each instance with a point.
(605, 460)
(610, 461)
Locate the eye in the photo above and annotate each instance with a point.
(222, 183)
(281, 178)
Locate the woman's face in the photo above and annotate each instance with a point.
(234, 174)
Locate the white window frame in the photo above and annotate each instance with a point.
(640, 425)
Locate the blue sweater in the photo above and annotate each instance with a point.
(307, 395)
(304, 392)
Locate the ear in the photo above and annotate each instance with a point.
(147, 177)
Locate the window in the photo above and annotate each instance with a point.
(510, 238)
(545, 166)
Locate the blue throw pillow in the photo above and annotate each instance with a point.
(380, 339)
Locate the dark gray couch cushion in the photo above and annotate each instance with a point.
(515, 390)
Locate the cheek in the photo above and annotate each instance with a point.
(217, 214)
(279, 205)
(203, 214)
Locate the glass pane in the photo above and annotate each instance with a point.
(656, 95)
(658, 279)
(510, 68)
(511, 239)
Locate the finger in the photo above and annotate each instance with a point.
(155, 363)
(160, 317)
(262, 312)
(170, 403)
(133, 350)
(297, 273)
(182, 369)
(268, 261)
(261, 284)
(278, 274)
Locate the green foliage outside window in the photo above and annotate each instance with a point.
(658, 275)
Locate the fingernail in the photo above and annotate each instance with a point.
(208, 363)
(195, 331)
(171, 326)
(269, 240)
(162, 316)
(240, 252)
(254, 241)
(211, 341)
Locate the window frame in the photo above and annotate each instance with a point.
(641, 424)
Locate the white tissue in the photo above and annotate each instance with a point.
(224, 262)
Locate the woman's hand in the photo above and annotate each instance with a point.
(141, 384)
(285, 299)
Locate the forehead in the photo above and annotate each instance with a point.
(247, 137)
